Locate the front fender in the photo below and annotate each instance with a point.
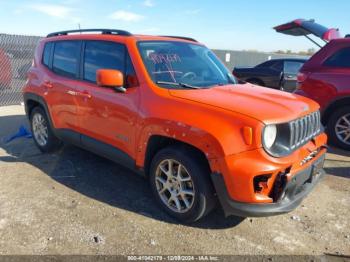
(216, 142)
(196, 137)
(216, 132)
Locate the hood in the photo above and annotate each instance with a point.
(261, 103)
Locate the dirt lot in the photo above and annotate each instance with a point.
(75, 202)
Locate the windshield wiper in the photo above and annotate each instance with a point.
(178, 84)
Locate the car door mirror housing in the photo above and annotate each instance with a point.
(110, 78)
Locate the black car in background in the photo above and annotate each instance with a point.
(276, 73)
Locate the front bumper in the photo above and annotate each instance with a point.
(293, 193)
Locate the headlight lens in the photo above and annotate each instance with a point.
(282, 139)
(269, 137)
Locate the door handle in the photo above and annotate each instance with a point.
(85, 94)
(47, 84)
(289, 77)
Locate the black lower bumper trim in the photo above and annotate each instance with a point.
(294, 192)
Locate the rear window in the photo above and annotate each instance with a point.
(272, 64)
(47, 54)
(265, 64)
(341, 58)
(66, 58)
(278, 66)
(102, 55)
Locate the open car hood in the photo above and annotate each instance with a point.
(302, 27)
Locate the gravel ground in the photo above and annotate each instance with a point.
(74, 202)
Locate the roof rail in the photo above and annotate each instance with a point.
(181, 37)
(103, 31)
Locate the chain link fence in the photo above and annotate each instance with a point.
(16, 55)
(248, 58)
(17, 51)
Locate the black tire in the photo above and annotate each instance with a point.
(331, 128)
(53, 143)
(198, 169)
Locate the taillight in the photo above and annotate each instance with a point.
(301, 77)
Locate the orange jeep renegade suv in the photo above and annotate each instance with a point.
(167, 108)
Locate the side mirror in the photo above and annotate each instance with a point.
(111, 78)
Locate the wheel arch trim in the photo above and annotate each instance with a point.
(198, 139)
(41, 101)
(339, 101)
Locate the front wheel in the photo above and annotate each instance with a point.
(338, 128)
(180, 183)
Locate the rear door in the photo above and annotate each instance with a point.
(61, 82)
(270, 73)
(302, 27)
(332, 78)
(290, 72)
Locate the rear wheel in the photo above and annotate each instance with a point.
(181, 185)
(42, 133)
(338, 128)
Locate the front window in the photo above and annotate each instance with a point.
(291, 67)
(183, 64)
(102, 55)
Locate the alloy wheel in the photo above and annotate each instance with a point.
(175, 186)
(342, 129)
(40, 130)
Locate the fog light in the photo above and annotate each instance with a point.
(260, 182)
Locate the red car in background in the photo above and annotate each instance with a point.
(325, 77)
(5, 70)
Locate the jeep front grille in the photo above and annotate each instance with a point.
(303, 129)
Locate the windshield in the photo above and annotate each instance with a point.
(181, 65)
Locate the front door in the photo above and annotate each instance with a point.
(105, 115)
(290, 72)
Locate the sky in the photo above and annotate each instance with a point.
(234, 25)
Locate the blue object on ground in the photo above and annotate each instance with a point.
(22, 132)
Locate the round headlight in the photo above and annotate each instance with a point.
(270, 134)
